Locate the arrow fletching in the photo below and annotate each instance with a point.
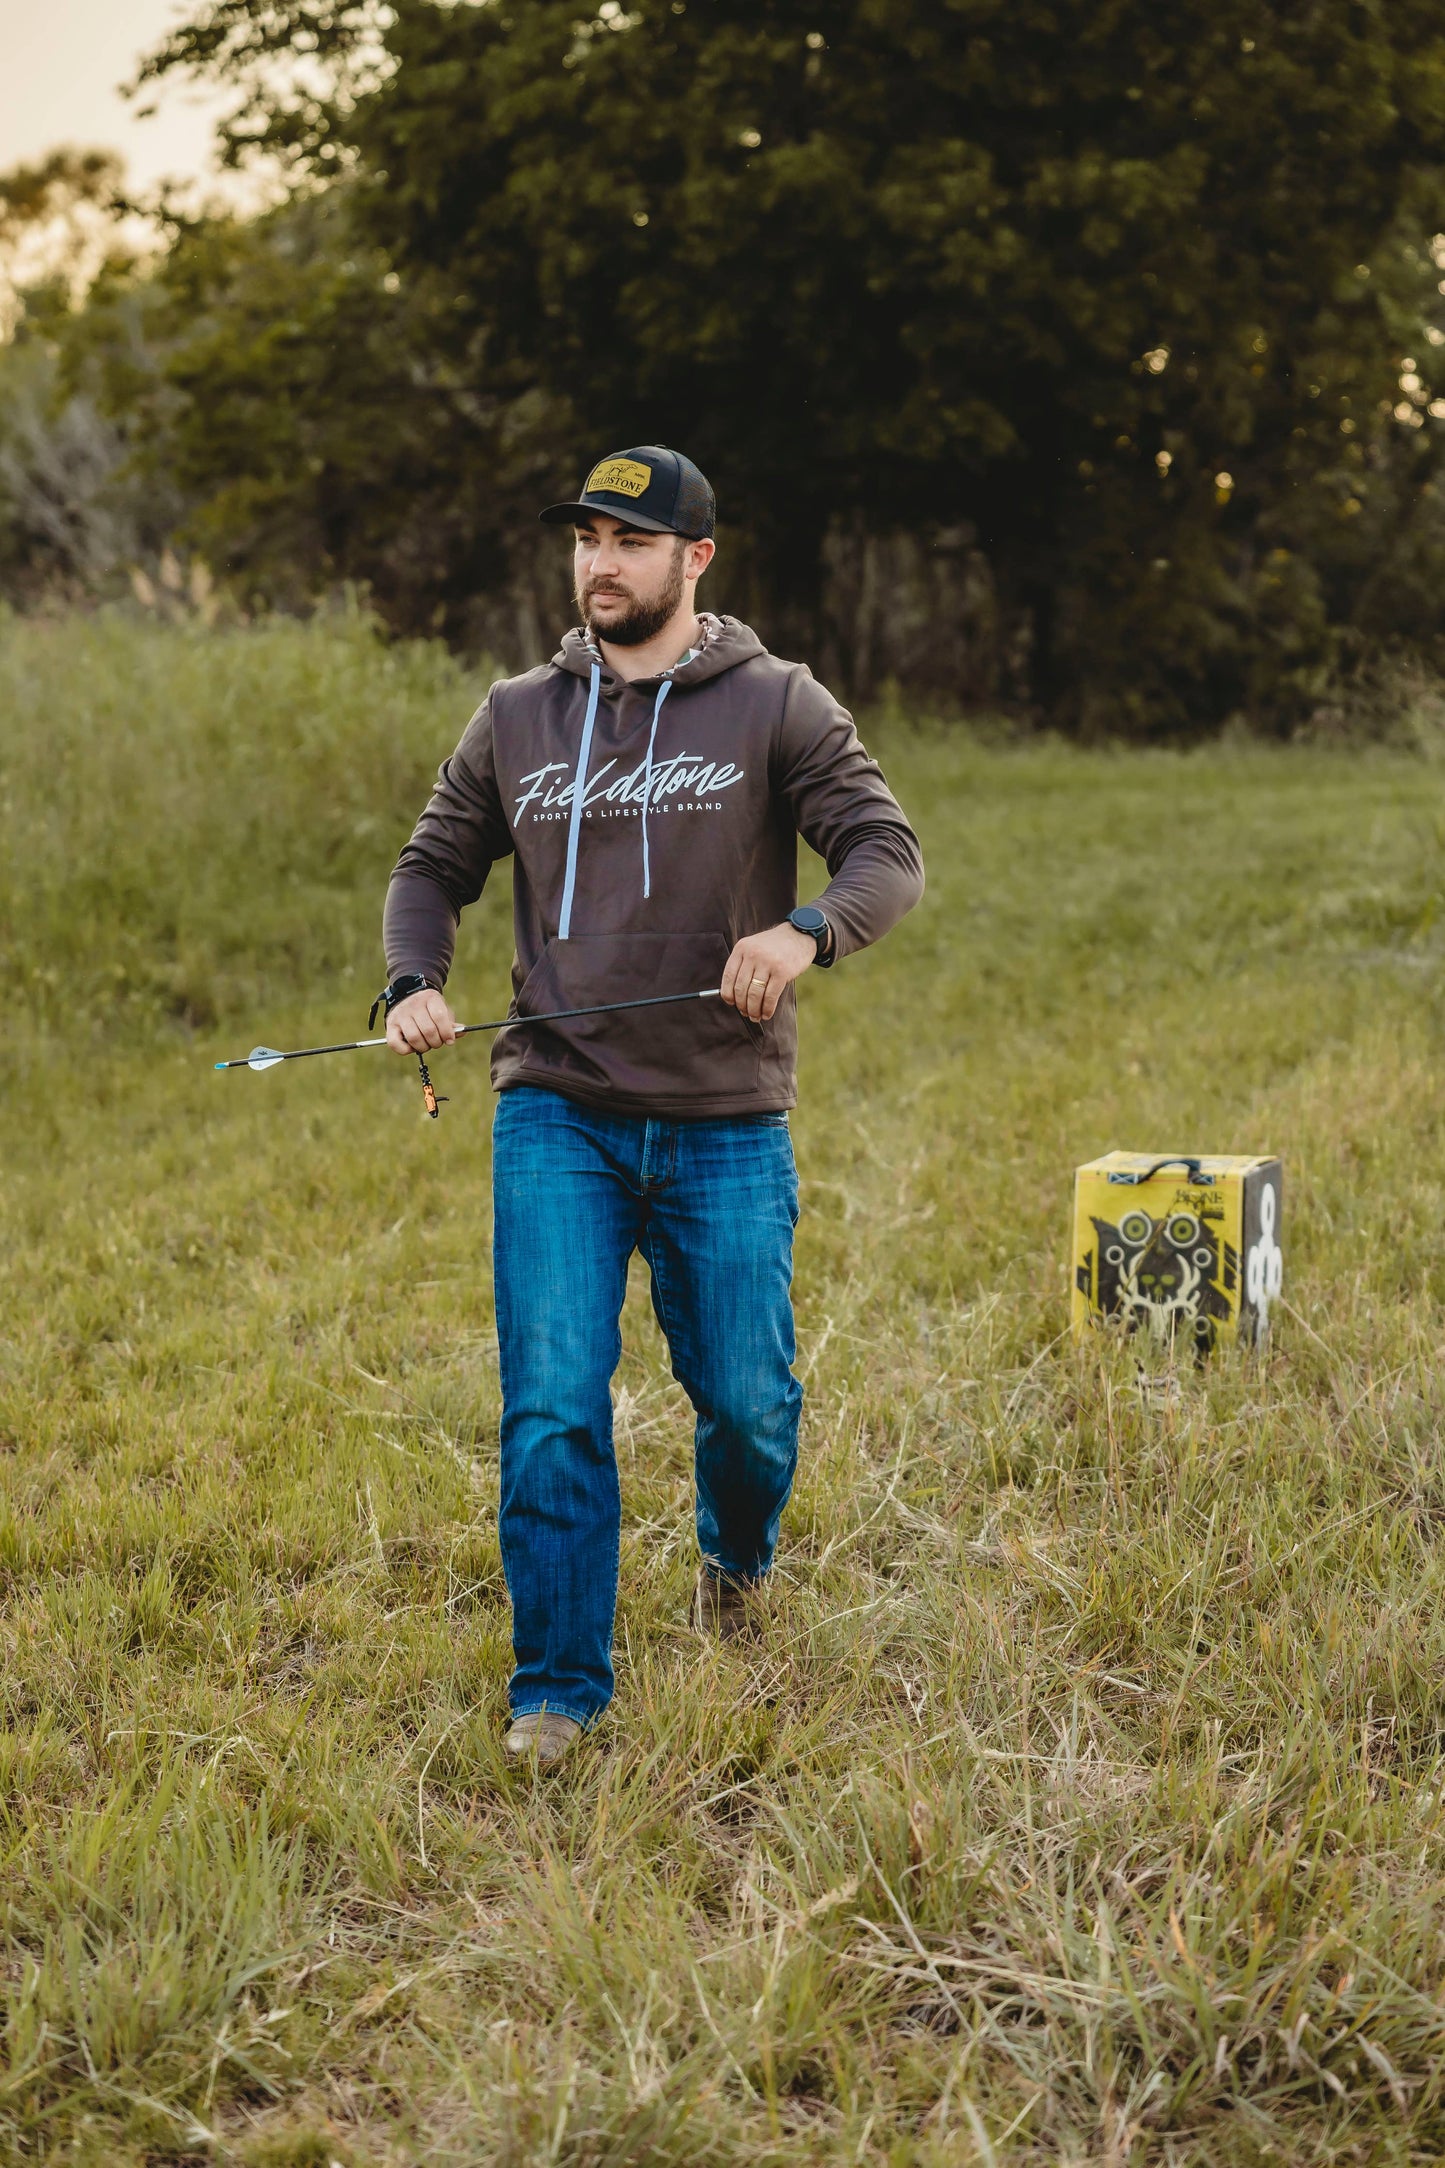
(263, 1057)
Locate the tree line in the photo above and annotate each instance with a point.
(1081, 358)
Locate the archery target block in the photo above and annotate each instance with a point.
(1182, 1249)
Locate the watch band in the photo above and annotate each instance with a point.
(405, 983)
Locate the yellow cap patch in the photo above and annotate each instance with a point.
(624, 477)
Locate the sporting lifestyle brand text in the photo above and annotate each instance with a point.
(682, 773)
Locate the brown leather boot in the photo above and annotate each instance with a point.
(723, 1610)
(543, 1733)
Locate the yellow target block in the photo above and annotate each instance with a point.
(1184, 1249)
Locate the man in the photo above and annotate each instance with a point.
(650, 784)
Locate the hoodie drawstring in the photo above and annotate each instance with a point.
(579, 792)
(579, 786)
(662, 692)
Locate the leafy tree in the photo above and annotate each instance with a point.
(306, 411)
(60, 225)
(67, 517)
(1126, 292)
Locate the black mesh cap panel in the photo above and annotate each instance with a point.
(695, 512)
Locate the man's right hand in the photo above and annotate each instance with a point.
(420, 1023)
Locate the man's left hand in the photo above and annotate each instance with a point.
(762, 965)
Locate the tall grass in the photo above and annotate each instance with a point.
(1086, 1798)
(192, 813)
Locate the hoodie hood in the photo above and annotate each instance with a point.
(733, 643)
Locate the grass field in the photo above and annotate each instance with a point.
(1086, 1800)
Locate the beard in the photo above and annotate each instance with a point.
(644, 619)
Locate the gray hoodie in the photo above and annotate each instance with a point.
(652, 824)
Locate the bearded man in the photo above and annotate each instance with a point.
(649, 784)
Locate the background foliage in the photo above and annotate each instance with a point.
(1076, 357)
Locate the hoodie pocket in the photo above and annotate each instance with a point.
(693, 1050)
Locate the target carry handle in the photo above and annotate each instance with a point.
(1193, 1168)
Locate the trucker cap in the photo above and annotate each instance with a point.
(649, 487)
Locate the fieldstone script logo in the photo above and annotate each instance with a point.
(687, 777)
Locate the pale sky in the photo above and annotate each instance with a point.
(60, 64)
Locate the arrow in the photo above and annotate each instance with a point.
(266, 1057)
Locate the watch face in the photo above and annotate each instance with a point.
(808, 919)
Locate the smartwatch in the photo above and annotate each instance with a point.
(809, 919)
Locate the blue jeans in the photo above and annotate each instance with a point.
(712, 1207)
